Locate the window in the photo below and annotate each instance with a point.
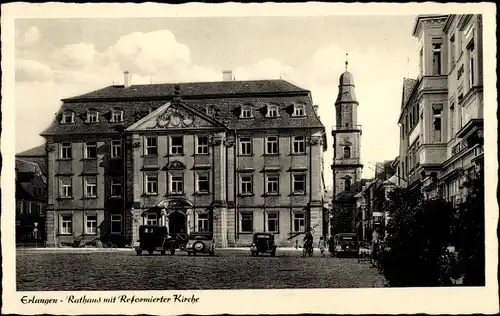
(90, 150)
(347, 152)
(209, 110)
(66, 150)
(470, 49)
(203, 184)
(202, 145)
(117, 116)
(151, 184)
(452, 51)
(245, 146)
(272, 111)
(116, 187)
(299, 145)
(116, 223)
(246, 112)
(177, 184)
(90, 187)
(246, 223)
(299, 183)
(116, 149)
(436, 58)
(452, 120)
(436, 114)
(454, 192)
(299, 110)
(66, 188)
(68, 118)
(91, 225)
(246, 185)
(151, 219)
(151, 146)
(272, 184)
(299, 222)
(66, 224)
(272, 222)
(92, 117)
(203, 223)
(176, 144)
(272, 145)
(347, 185)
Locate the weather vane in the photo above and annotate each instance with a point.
(346, 61)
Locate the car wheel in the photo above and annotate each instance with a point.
(199, 246)
(138, 252)
(253, 253)
(182, 247)
(194, 253)
(189, 253)
(256, 253)
(273, 253)
(163, 252)
(150, 251)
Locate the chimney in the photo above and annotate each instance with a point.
(127, 78)
(227, 75)
(315, 107)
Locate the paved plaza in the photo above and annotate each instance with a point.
(69, 270)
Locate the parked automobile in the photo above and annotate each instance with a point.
(154, 238)
(180, 240)
(345, 244)
(263, 243)
(201, 243)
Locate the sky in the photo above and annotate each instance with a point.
(58, 58)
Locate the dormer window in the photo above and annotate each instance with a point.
(92, 117)
(117, 116)
(209, 110)
(299, 110)
(246, 112)
(68, 118)
(272, 111)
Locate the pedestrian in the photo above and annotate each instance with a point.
(296, 244)
(375, 244)
(322, 246)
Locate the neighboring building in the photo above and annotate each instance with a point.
(230, 157)
(37, 155)
(346, 156)
(31, 196)
(441, 143)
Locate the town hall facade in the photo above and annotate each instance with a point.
(228, 157)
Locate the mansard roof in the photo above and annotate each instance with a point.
(225, 97)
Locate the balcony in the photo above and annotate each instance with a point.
(432, 153)
(432, 83)
(347, 128)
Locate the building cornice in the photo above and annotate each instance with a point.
(427, 19)
(449, 22)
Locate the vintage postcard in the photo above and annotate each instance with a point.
(249, 158)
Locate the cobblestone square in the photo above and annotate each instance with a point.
(44, 270)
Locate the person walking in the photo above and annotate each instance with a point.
(375, 245)
(322, 246)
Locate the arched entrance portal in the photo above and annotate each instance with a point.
(177, 222)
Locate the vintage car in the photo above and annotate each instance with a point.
(263, 243)
(154, 238)
(345, 244)
(200, 243)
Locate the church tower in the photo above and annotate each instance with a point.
(346, 165)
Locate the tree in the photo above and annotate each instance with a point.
(418, 235)
(469, 234)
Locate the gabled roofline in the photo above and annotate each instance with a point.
(166, 106)
(426, 16)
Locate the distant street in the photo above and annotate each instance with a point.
(39, 270)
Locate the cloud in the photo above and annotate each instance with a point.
(28, 38)
(31, 70)
(75, 55)
(149, 53)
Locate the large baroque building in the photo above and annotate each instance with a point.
(230, 157)
(346, 165)
(441, 121)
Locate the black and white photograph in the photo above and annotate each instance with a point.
(149, 159)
